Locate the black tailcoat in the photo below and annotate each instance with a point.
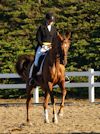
(43, 34)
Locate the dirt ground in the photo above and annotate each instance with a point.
(80, 116)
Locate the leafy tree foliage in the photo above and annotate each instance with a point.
(19, 20)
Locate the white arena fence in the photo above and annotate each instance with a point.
(91, 84)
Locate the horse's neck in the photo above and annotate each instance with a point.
(54, 57)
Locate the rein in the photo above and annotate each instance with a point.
(60, 55)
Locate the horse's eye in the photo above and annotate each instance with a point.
(62, 41)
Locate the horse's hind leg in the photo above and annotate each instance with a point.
(29, 92)
(62, 86)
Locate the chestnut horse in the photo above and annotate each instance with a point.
(53, 72)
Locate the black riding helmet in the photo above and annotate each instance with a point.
(49, 16)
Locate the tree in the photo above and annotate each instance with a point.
(19, 22)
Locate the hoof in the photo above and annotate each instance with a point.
(29, 124)
(54, 120)
(60, 114)
(22, 125)
(46, 121)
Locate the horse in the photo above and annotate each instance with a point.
(53, 72)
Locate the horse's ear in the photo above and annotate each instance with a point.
(59, 36)
(68, 35)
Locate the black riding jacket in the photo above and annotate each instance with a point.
(43, 34)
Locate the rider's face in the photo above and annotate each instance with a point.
(50, 22)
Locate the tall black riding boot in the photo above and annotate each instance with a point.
(34, 76)
(34, 72)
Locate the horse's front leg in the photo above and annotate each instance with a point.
(46, 99)
(55, 120)
(64, 91)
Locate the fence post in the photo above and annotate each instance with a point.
(91, 85)
(36, 95)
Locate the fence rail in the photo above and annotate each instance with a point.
(90, 84)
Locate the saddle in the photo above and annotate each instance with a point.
(39, 67)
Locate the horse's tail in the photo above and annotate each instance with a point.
(22, 65)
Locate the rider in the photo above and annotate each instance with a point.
(44, 37)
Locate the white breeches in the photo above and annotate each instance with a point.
(40, 51)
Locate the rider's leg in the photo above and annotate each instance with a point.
(38, 54)
(35, 67)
